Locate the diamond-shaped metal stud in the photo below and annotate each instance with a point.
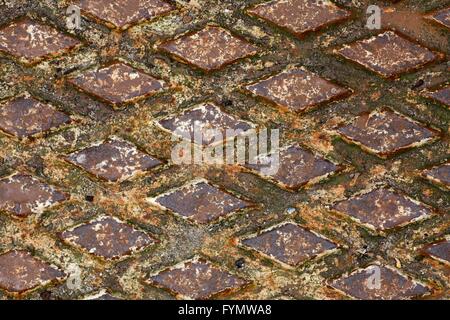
(201, 202)
(289, 244)
(21, 272)
(204, 120)
(117, 84)
(441, 95)
(30, 41)
(440, 251)
(113, 160)
(442, 17)
(388, 54)
(378, 282)
(108, 238)
(197, 279)
(294, 168)
(296, 90)
(385, 132)
(383, 209)
(300, 16)
(26, 116)
(209, 49)
(124, 13)
(439, 175)
(23, 195)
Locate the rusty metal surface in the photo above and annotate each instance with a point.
(442, 95)
(94, 206)
(197, 279)
(388, 54)
(107, 237)
(201, 202)
(385, 132)
(201, 118)
(297, 89)
(439, 175)
(31, 41)
(383, 209)
(20, 272)
(289, 244)
(300, 16)
(122, 14)
(209, 49)
(23, 195)
(440, 251)
(298, 167)
(117, 83)
(26, 116)
(394, 285)
(442, 17)
(113, 160)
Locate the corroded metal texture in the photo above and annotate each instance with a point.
(30, 41)
(442, 95)
(26, 116)
(442, 17)
(393, 286)
(384, 132)
(383, 209)
(297, 167)
(113, 160)
(209, 49)
(99, 198)
(122, 14)
(20, 272)
(107, 237)
(297, 89)
(23, 195)
(440, 251)
(289, 244)
(117, 83)
(300, 16)
(197, 279)
(439, 175)
(201, 202)
(388, 54)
